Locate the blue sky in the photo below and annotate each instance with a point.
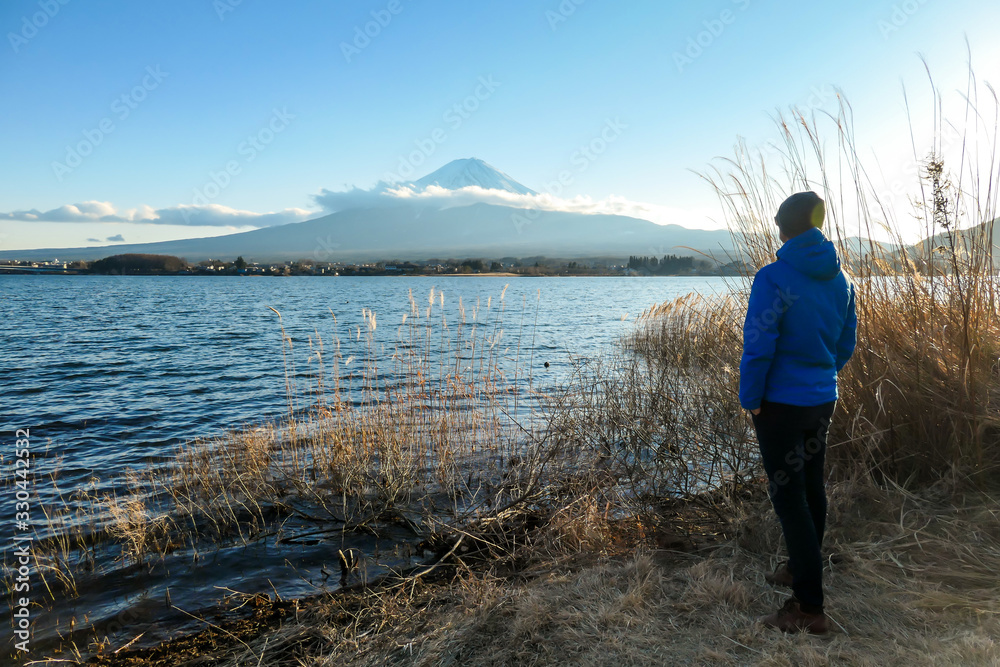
(164, 94)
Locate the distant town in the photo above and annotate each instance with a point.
(136, 264)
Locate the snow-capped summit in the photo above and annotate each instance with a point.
(472, 171)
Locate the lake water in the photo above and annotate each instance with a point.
(114, 372)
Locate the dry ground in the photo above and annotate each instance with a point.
(911, 580)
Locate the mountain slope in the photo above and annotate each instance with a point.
(965, 240)
(412, 232)
(388, 228)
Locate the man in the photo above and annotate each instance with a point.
(800, 330)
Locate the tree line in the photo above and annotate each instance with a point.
(664, 265)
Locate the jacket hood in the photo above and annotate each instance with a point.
(811, 253)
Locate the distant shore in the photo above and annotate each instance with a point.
(498, 274)
(503, 267)
(487, 274)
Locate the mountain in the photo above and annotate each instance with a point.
(401, 229)
(935, 248)
(861, 247)
(965, 240)
(472, 172)
(410, 232)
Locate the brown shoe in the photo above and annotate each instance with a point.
(791, 618)
(781, 576)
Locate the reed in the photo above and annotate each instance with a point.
(425, 428)
(422, 424)
(904, 590)
(920, 398)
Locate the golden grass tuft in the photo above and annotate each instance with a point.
(651, 608)
(644, 606)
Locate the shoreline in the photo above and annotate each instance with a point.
(371, 275)
(684, 591)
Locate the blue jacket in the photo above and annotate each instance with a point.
(801, 326)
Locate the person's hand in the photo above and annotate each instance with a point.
(755, 412)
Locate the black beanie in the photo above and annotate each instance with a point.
(800, 213)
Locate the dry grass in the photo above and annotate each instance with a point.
(911, 576)
(429, 429)
(549, 531)
(425, 425)
(922, 394)
(432, 427)
(911, 581)
(924, 389)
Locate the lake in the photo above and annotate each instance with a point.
(114, 372)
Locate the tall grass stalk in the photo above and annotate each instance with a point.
(417, 426)
(920, 398)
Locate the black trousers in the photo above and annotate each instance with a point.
(793, 449)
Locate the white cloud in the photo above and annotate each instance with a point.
(214, 215)
(385, 194)
(210, 215)
(381, 195)
(332, 201)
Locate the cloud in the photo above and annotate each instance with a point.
(386, 194)
(214, 215)
(210, 215)
(117, 238)
(93, 240)
(379, 195)
(383, 194)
